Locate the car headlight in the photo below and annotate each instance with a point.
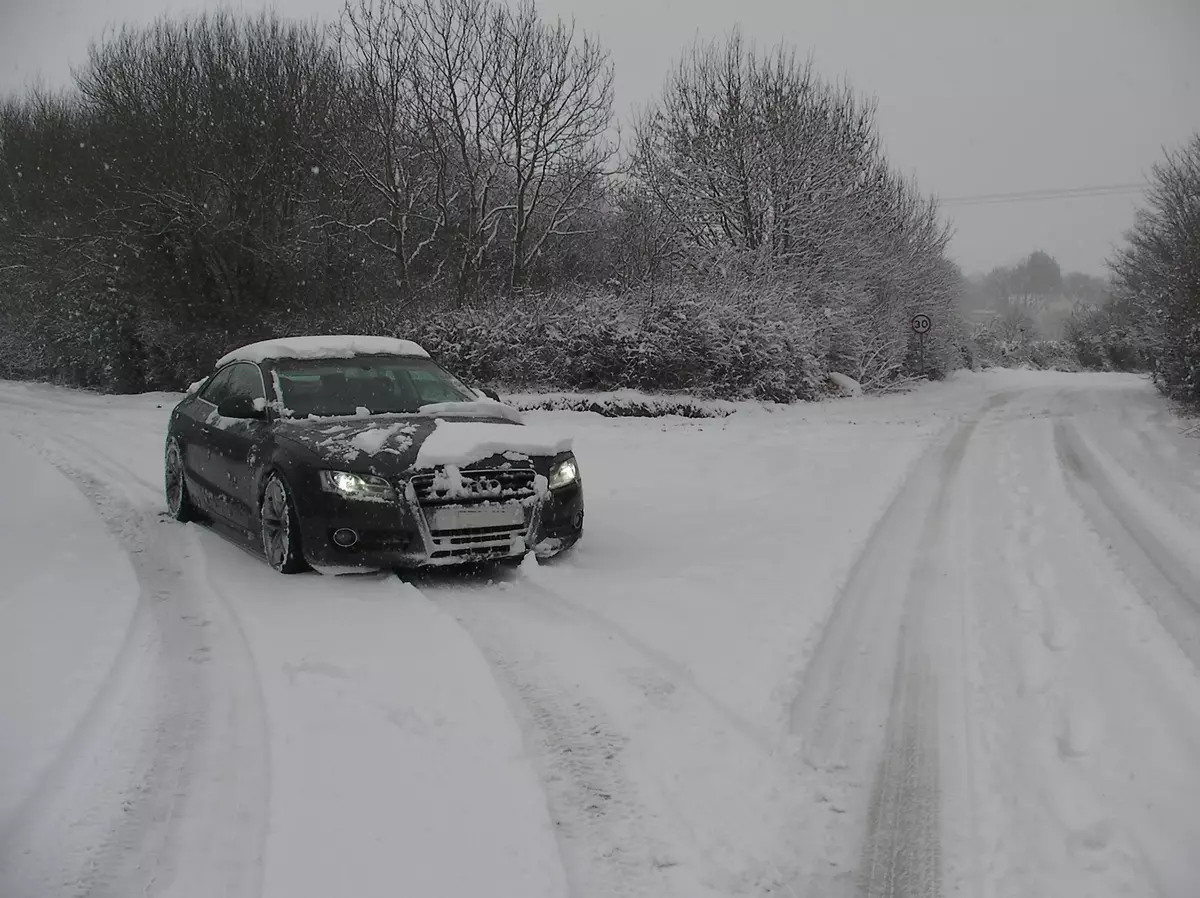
(564, 473)
(358, 486)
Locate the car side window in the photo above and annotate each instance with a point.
(246, 382)
(217, 389)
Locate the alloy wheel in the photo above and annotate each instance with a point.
(276, 524)
(174, 476)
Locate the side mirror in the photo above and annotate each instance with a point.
(241, 407)
(490, 393)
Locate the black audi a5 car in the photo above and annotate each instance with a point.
(353, 452)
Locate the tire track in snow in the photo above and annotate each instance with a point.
(604, 835)
(902, 851)
(1163, 580)
(180, 799)
(695, 805)
(873, 654)
(115, 470)
(554, 599)
(1151, 461)
(1005, 642)
(1060, 836)
(1117, 698)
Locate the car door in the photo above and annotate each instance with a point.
(197, 443)
(234, 443)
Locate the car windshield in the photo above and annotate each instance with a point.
(376, 384)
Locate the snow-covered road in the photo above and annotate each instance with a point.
(939, 644)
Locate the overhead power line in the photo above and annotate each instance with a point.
(1029, 196)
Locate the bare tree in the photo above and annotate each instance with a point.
(454, 49)
(385, 161)
(481, 125)
(555, 91)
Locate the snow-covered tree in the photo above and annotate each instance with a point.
(765, 169)
(1158, 270)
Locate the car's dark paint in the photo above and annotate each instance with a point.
(228, 461)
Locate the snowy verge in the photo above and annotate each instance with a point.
(66, 605)
(958, 387)
(631, 404)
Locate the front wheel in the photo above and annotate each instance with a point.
(179, 501)
(280, 528)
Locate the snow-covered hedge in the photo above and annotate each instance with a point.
(1104, 339)
(739, 349)
(624, 405)
(990, 351)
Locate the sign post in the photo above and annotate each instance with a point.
(922, 324)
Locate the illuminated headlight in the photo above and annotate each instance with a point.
(358, 486)
(564, 473)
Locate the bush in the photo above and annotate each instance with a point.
(621, 407)
(1108, 339)
(988, 350)
(712, 347)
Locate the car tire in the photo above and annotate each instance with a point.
(179, 500)
(280, 527)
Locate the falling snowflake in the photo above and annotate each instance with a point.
(316, 169)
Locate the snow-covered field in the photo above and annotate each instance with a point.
(945, 643)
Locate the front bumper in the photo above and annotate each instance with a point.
(399, 535)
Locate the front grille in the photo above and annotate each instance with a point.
(470, 487)
(473, 535)
(383, 541)
(475, 541)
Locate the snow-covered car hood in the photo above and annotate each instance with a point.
(393, 445)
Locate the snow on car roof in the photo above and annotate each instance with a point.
(338, 346)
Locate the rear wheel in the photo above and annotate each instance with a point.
(179, 501)
(280, 528)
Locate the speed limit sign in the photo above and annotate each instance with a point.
(921, 324)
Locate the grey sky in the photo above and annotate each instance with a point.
(976, 96)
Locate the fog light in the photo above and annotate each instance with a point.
(345, 537)
(578, 522)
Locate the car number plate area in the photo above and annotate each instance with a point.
(477, 517)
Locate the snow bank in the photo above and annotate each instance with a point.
(68, 599)
(462, 443)
(632, 404)
(332, 347)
